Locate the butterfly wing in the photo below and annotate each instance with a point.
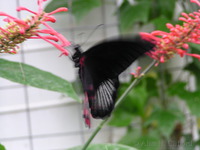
(100, 97)
(109, 58)
(104, 98)
(100, 67)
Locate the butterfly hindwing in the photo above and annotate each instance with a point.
(104, 99)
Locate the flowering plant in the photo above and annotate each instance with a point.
(18, 30)
(176, 41)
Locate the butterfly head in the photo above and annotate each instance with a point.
(77, 48)
(76, 56)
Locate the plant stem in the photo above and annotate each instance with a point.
(134, 83)
(117, 103)
(163, 87)
(94, 133)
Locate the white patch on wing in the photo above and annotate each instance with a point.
(104, 94)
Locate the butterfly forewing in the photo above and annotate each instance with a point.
(112, 57)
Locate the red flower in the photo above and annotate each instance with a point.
(176, 41)
(137, 73)
(17, 30)
(195, 1)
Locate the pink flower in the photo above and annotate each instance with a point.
(176, 41)
(137, 74)
(195, 1)
(17, 30)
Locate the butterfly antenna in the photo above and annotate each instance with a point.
(92, 33)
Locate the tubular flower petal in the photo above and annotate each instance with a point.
(17, 30)
(64, 42)
(64, 51)
(46, 37)
(195, 1)
(58, 10)
(24, 8)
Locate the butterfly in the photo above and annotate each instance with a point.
(99, 68)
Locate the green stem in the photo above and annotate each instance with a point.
(163, 87)
(117, 103)
(134, 83)
(94, 134)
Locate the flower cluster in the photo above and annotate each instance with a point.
(137, 72)
(17, 30)
(176, 41)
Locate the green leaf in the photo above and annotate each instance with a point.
(105, 147)
(133, 104)
(195, 48)
(2, 147)
(167, 8)
(194, 68)
(160, 23)
(177, 89)
(54, 4)
(151, 86)
(189, 144)
(135, 100)
(162, 8)
(29, 75)
(142, 142)
(193, 102)
(120, 118)
(130, 14)
(130, 138)
(165, 119)
(192, 99)
(82, 7)
(167, 77)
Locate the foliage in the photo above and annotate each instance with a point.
(141, 12)
(131, 14)
(80, 7)
(29, 75)
(145, 142)
(152, 118)
(2, 147)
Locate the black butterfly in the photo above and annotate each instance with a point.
(99, 68)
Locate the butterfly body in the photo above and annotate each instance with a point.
(99, 68)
